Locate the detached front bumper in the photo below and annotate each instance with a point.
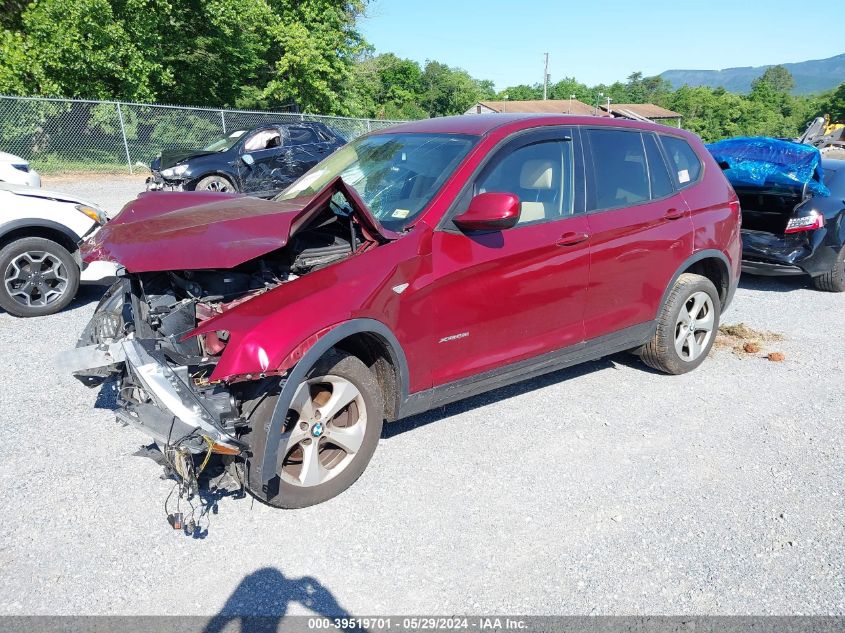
(156, 182)
(155, 394)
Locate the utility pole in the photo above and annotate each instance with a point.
(546, 79)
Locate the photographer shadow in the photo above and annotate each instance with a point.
(262, 599)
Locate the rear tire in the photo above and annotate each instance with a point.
(834, 280)
(37, 277)
(686, 326)
(311, 436)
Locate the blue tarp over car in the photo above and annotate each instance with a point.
(758, 161)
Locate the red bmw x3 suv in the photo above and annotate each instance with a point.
(416, 266)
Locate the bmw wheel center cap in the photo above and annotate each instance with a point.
(317, 429)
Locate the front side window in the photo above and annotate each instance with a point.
(620, 169)
(686, 165)
(396, 175)
(263, 139)
(540, 175)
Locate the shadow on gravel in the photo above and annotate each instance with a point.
(263, 598)
(86, 295)
(775, 284)
(518, 389)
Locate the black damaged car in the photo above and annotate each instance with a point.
(261, 162)
(789, 232)
(793, 208)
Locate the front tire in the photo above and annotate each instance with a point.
(686, 327)
(334, 425)
(217, 183)
(834, 280)
(37, 277)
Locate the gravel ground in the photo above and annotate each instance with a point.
(603, 489)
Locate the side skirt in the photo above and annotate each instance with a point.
(626, 339)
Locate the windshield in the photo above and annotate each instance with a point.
(221, 145)
(396, 175)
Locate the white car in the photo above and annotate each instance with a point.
(40, 264)
(16, 171)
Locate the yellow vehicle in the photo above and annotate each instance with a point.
(828, 137)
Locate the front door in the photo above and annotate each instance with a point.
(260, 156)
(504, 296)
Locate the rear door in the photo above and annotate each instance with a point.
(306, 148)
(504, 296)
(639, 224)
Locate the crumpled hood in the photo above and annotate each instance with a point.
(169, 158)
(195, 230)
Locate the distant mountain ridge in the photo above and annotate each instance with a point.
(816, 75)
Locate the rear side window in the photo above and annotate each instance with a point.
(661, 183)
(298, 135)
(619, 167)
(685, 164)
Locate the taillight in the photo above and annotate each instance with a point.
(814, 220)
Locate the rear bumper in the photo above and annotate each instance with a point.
(794, 254)
(769, 269)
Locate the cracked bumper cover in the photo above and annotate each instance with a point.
(167, 408)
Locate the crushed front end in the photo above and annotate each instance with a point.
(135, 338)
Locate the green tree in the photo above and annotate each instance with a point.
(448, 90)
(777, 78)
(10, 13)
(522, 92)
(83, 48)
(834, 105)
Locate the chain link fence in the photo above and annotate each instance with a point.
(68, 135)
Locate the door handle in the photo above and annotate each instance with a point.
(572, 238)
(674, 214)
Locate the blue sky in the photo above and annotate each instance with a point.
(598, 41)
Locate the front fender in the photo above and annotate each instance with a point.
(270, 332)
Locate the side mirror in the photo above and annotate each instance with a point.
(489, 212)
(248, 159)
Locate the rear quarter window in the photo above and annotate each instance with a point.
(684, 162)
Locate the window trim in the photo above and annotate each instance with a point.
(701, 162)
(665, 160)
(511, 143)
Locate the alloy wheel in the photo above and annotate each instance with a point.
(694, 327)
(219, 185)
(36, 278)
(326, 425)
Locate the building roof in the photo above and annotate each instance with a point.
(647, 110)
(547, 106)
